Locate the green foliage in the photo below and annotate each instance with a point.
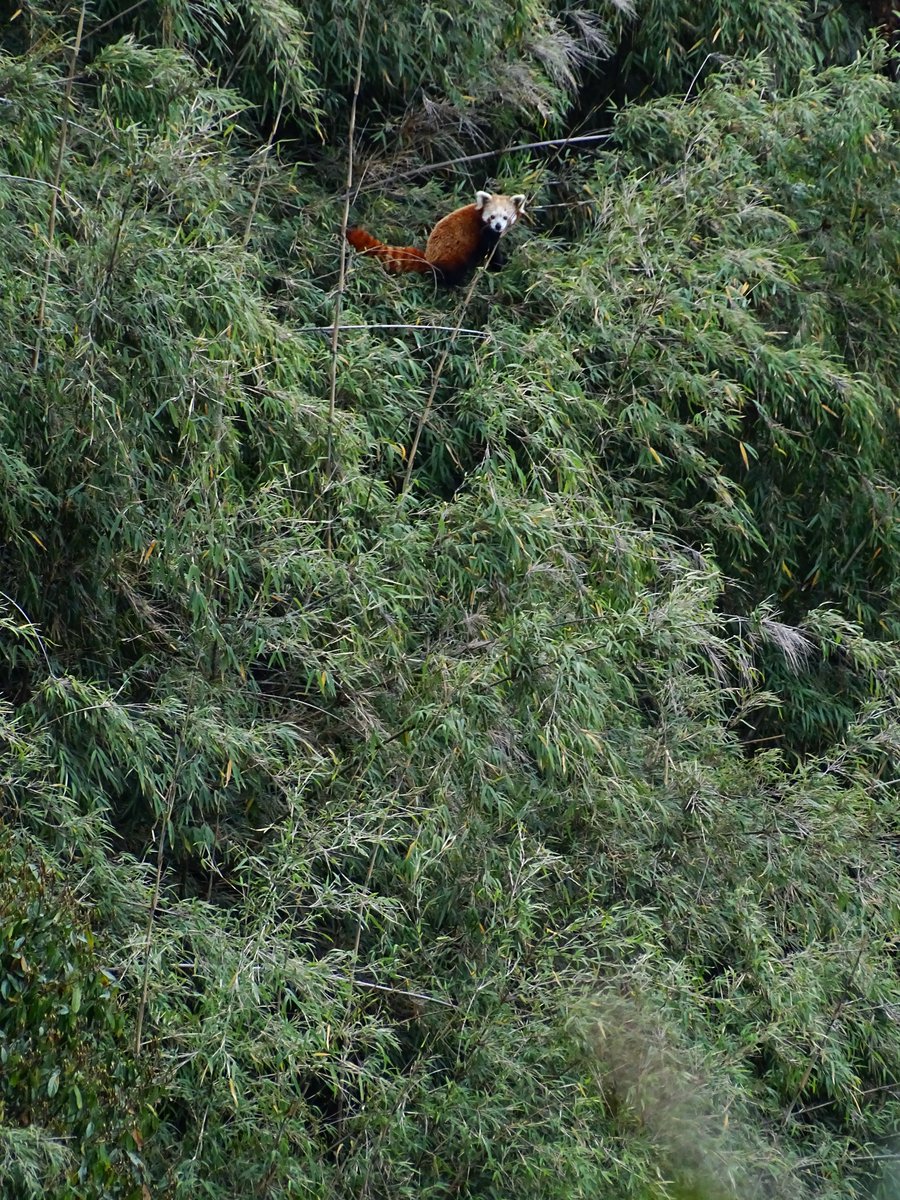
(431, 69)
(720, 294)
(676, 42)
(67, 1076)
(526, 831)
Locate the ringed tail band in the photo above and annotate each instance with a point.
(457, 244)
(396, 260)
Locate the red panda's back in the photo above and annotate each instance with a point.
(456, 243)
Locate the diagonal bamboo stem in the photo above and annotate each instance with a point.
(435, 380)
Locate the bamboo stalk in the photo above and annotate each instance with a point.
(342, 272)
(54, 202)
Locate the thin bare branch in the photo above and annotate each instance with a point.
(429, 168)
(266, 151)
(381, 987)
(481, 333)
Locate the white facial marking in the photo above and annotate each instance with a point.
(499, 217)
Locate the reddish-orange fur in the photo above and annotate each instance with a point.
(397, 260)
(457, 244)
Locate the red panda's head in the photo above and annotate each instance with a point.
(499, 212)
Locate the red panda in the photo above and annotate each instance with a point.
(457, 244)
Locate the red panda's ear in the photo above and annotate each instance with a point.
(482, 198)
(519, 202)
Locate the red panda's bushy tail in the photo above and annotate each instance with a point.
(396, 260)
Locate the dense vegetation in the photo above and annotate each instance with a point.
(455, 755)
